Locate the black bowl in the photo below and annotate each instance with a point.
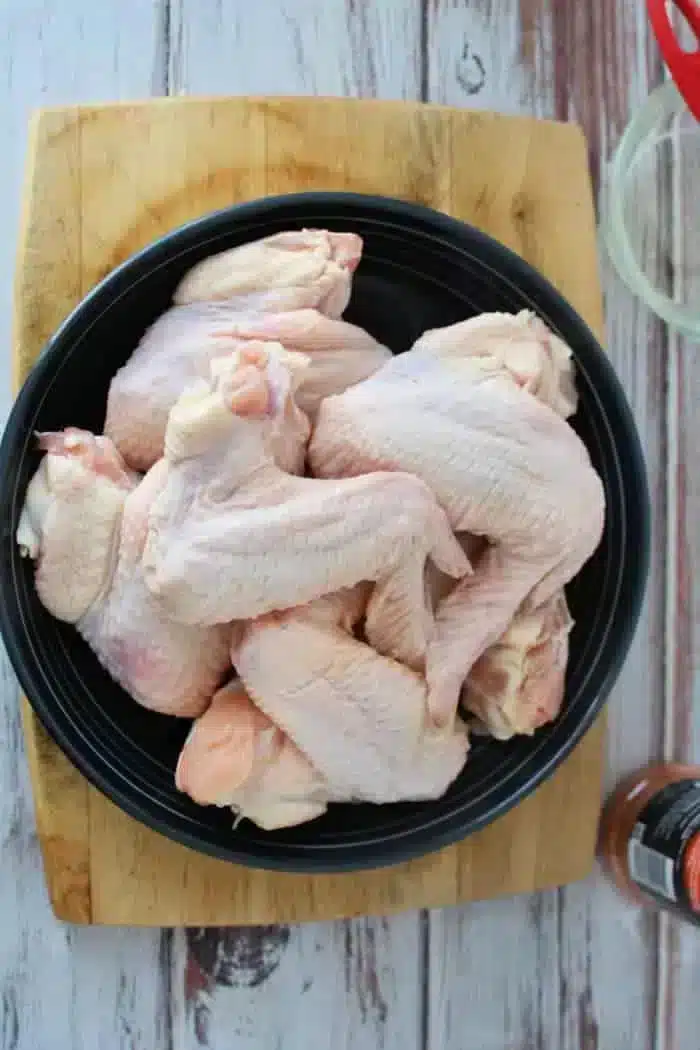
(420, 270)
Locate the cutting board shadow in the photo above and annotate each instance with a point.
(103, 181)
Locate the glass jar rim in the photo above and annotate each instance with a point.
(665, 100)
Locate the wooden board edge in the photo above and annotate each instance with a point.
(22, 247)
(87, 110)
(59, 790)
(594, 743)
(428, 900)
(61, 809)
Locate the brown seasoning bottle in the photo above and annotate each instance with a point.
(650, 838)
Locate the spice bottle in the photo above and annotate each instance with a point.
(650, 838)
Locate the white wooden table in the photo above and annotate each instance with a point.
(573, 969)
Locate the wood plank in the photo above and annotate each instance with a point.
(678, 1002)
(486, 55)
(63, 987)
(329, 971)
(474, 996)
(358, 980)
(590, 63)
(296, 47)
(91, 52)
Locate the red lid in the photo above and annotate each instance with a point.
(684, 66)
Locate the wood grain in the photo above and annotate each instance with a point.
(484, 54)
(617, 938)
(592, 63)
(678, 1002)
(310, 47)
(315, 47)
(62, 987)
(61, 800)
(355, 984)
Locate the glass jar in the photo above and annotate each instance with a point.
(650, 209)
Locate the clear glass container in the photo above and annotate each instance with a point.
(650, 209)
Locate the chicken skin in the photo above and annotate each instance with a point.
(502, 464)
(235, 756)
(84, 523)
(287, 271)
(518, 345)
(308, 272)
(517, 685)
(232, 536)
(180, 347)
(360, 717)
(176, 351)
(340, 354)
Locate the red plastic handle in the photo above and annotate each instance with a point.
(684, 66)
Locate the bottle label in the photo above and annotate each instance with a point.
(663, 853)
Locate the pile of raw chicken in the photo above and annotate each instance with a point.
(360, 546)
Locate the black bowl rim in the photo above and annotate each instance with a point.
(451, 828)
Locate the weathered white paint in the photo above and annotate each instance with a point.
(360, 981)
(563, 980)
(344, 986)
(484, 54)
(678, 1000)
(572, 970)
(307, 47)
(52, 54)
(492, 976)
(61, 987)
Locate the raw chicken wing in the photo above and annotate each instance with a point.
(518, 684)
(502, 464)
(519, 345)
(71, 518)
(232, 536)
(359, 717)
(84, 521)
(340, 354)
(235, 756)
(288, 271)
(178, 349)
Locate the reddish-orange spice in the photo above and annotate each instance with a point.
(650, 837)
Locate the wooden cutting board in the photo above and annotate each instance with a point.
(102, 182)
